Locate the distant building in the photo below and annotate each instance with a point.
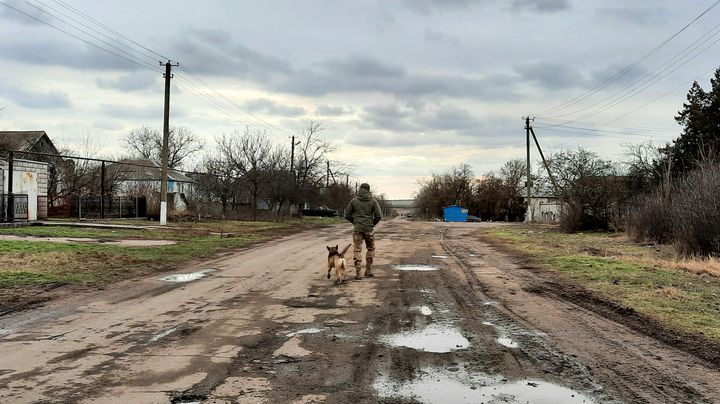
(141, 178)
(33, 175)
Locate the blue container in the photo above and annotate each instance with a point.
(455, 213)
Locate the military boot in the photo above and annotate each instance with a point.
(358, 268)
(368, 270)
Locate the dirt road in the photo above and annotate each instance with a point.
(265, 326)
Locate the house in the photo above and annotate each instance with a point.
(32, 174)
(141, 178)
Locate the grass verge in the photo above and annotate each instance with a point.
(32, 270)
(681, 295)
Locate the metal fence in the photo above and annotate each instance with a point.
(19, 209)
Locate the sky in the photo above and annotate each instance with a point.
(403, 88)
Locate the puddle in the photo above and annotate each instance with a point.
(490, 303)
(442, 386)
(507, 342)
(425, 310)
(180, 278)
(442, 257)
(162, 335)
(488, 323)
(416, 267)
(433, 338)
(304, 331)
(5, 331)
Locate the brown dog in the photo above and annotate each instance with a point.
(337, 260)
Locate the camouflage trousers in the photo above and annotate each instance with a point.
(358, 238)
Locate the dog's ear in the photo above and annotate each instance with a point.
(327, 248)
(336, 246)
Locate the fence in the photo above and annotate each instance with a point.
(19, 210)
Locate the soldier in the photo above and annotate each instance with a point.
(364, 213)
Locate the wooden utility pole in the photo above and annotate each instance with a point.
(528, 184)
(292, 156)
(545, 163)
(327, 175)
(10, 195)
(165, 148)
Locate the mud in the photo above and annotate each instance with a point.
(267, 327)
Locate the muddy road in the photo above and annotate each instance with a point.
(447, 319)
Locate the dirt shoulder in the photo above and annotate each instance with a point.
(41, 263)
(641, 286)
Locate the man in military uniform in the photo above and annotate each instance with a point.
(364, 213)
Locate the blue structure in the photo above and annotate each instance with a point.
(455, 213)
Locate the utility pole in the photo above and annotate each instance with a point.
(527, 144)
(292, 156)
(165, 151)
(347, 180)
(327, 175)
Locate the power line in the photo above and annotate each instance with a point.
(650, 78)
(100, 24)
(80, 38)
(630, 67)
(208, 98)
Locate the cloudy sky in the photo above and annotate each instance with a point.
(404, 88)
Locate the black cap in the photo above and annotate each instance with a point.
(365, 185)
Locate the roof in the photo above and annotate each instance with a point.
(145, 170)
(20, 140)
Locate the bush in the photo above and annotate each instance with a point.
(688, 214)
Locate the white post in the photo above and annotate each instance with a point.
(163, 213)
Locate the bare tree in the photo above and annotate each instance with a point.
(146, 143)
(310, 160)
(249, 153)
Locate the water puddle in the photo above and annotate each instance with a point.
(443, 386)
(181, 278)
(433, 338)
(416, 267)
(488, 323)
(304, 331)
(507, 342)
(162, 335)
(425, 310)
(442, 257)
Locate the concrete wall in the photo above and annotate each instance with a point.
(544, 210)
(29, 177)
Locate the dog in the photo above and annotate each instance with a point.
(337, 260)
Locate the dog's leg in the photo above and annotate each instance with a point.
(329, 269)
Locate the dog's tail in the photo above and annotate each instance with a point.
(342, 254)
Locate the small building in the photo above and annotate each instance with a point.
(141, 178)
(544, 209)
(32, 173)
(455, 213)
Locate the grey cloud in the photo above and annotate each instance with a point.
(12, 15)
(139, 112)
(213, 52)
(551, 75)
(329, 110)
(60, 52)
(640, 16)
(431, 35)
(541, 6)
(271, 107)
(35, 99)
(130, 82)
(358, 74)
(429, 6)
